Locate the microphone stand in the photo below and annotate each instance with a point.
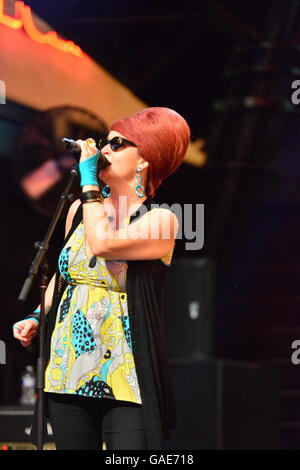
(40, 264)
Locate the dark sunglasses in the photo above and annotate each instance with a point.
(115, 143)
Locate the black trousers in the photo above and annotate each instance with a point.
(82, 423)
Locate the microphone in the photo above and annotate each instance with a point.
(73, 147)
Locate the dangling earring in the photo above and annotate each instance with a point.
(106, 191)
(139, 186)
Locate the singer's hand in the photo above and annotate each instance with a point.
(88, 148)
(88, 162)
(25, 331)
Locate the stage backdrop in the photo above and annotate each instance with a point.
(41, 70)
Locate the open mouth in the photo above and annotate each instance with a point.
(103, 162)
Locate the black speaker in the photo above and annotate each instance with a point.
(15, 424)
(189, 308)
(225, 405)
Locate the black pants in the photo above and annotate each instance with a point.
(82, 423)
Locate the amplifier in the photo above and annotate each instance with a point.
(225, 405)
(189, 308)
(15, 424)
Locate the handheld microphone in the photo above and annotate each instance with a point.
(73, 147)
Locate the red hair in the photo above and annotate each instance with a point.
(162, 137)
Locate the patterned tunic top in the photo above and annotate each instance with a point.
(91, 350)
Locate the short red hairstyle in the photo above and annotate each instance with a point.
(162, 137)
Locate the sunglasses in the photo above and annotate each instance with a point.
(115, 143)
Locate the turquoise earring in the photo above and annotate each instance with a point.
(106, 191)
(139, 185)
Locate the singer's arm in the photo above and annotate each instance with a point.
(25, 330)
(150, 237)
(50, 287)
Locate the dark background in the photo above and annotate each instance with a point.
(227, 67)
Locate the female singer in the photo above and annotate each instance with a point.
(107, 374)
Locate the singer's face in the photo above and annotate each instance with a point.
(124, 162)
